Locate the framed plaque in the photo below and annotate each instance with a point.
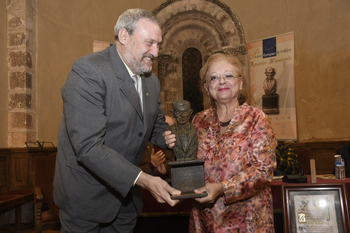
(315, 208)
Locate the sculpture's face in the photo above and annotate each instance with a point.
(182, 114)
(269, 72)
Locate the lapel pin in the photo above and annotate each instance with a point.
(147, 94)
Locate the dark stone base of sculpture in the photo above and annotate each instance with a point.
(187, 176)
(270, 104)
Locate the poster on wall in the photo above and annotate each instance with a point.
(272, 84)
(99, 45)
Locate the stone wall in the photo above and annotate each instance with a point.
(66, 29)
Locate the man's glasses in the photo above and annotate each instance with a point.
(227, 77)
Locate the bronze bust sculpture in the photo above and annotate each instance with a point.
(270, 82)
(187, 172)
(186, 145)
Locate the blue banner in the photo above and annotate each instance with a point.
(269, 47)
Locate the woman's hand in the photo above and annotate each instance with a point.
(214, 191)
(169, 139)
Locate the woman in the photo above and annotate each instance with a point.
(238, 146)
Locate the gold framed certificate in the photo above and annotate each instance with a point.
(315, 208)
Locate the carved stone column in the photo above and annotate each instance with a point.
(21, 65)
(163, 72)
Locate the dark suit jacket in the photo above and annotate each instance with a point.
(103, 135)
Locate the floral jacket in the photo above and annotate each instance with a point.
(243, 160)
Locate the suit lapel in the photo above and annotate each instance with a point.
(127, 87)
(126, 83)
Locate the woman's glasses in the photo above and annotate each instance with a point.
(216, 78)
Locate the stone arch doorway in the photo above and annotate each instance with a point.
(208, 26)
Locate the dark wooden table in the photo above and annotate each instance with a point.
(15, 199)
(151, 208)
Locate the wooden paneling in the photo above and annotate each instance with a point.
(322, 151)
(324, 160)
(17, 167)
(4, 169)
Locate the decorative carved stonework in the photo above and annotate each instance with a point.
(219, 4)
(21, 50)
(235, 51)
(17, 39)
(15, 22)
(205, 25)
(20, 80)
(163, 63)
(17, 59)
(20, 101)
(170, 96)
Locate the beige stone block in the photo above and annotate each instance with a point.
(16, 39)
(20, 101)
(170, 96)
(16, 5)
(21, 121)
(170, 83)
(20, 79)
(18, 139)
(17, 59)
(20, 59)
(16, 20)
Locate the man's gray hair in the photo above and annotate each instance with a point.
(129, 19)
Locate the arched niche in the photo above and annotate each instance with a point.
(209, 26)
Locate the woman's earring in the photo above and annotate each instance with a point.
(209, 97)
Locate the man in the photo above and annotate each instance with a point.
(186, 144)
(269, 84)
(107, 120)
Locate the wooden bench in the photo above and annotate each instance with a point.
(15, 199)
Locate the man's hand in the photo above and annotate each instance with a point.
(159, 188)
(169, 139)
(214, 191)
